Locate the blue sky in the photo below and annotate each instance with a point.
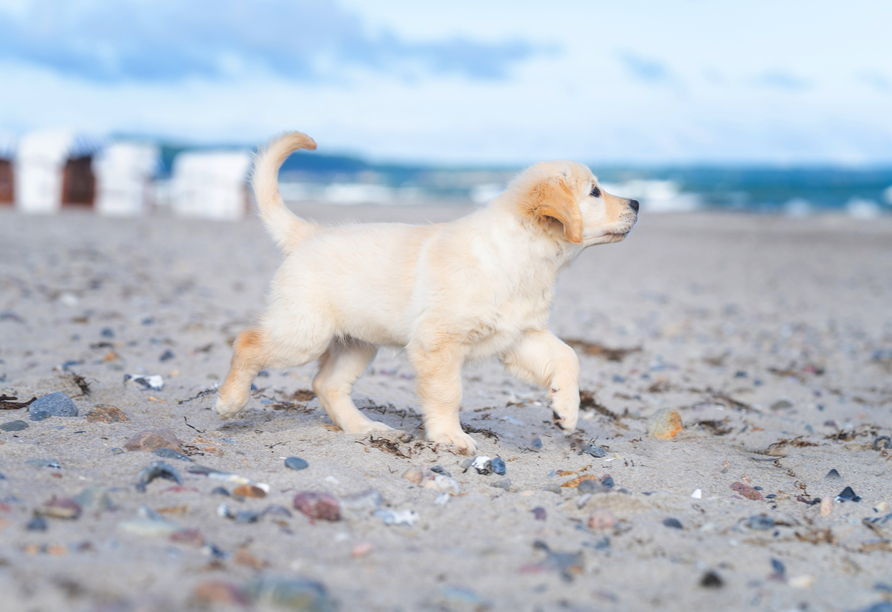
(461, 82)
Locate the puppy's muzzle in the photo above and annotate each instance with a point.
(633, 204)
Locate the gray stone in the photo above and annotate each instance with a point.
(498, 466)
(94, 497)
(672, 523)
(54, 404)
(504, 483)
(290, 593)
(38, 523)
(760, 523)
(553, 488)
(14, 426)
(296, 463)
(169, 453)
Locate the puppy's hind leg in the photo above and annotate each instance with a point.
(250, 354)
(339, 368)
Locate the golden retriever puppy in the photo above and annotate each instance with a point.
(447, 293)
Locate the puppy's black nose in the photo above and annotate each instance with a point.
(633, 204)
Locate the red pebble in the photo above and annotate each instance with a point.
(747, 491)
(539, 513)
(318, 505)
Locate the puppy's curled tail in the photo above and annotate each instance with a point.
(286, 228)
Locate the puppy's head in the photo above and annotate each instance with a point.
(565, 199)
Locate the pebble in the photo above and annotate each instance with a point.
(55, 404)
(782, 404)
(826, 506)
(779, 568)
(552, 488)
(665, 424)
(607, 481)
(153, 439)
(697, 494)
(536, 444)
(672, 523)
(397, 517)
(539, 513)
(482, 464)
(361, 550)
(220, 491)
(63, 508)
(107, 332)
(251, 491)
(442, 499)
(317, 505)
(882, 442)
(444, 484)
(746, 491)
(498, 466)
(296, 463)
(190, 537)
(106, 413)
(280, 511)
(156, 469)
(151, 528)
(601, 518)
(93, 497)
(711, 580)
(414, 474)
(48, 463)
(290, 593)
(153, 383)
(589, 486)
(595, 451)
(368, 499)
(459, 598)
(218, 592)
(504, 483)
(760, 522)
(833, 474)
(14, 426)
(847, 495)
(169, 453)
(38, 523)
(166, 355)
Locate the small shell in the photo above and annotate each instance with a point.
(156, 469)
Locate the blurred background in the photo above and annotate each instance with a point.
(128, 106)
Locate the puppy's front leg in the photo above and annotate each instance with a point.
(542, 359)
(438, 372)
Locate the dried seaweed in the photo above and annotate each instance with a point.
(303, 395)
(285, 405)
(7, 403)
(815, 536)
(487, 433)
(599, 350)
(386, 445)
(587, 401)
(730, 402)
(715, 427)
(81, 383)
(205, 393)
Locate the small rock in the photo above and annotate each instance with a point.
(826, 506)
(243, 557)
(368, 499)
(107, 332)
(601, 518)
(697, 494)
(458, 598)
(833, 474)
(539, 513)
(397, 517)
(440, 470)
(106, 413)
(665, 424)
(154, 439)
(156, 469)
(191, 537)
(14, 426)
(63, 508)
(672, 523)
(465, 464)
(220, 491)
(94, 497)
(280, 511)
(442, 499)
(362, 549)
(166, 355)
(47, 463)
(444, 484)
(38, 523)
(169, 453)
(296, 463)
(882, 442)
(219, 592)
(55, 404)
(711, 580)
(595, 451)
(607, 481)
(504, 483)
(782, 404)
(482, 464)
(760, 522)
(317, 505)
(552, 488)
(536, 444)
(778, 567)
(290, 593)
(153, 383)
(847, 495)
(746, 491)
(150, 528)
(252, 491)
(498, 466)
(414, 474)
(589, 486)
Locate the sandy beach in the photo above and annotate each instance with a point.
(771, 337)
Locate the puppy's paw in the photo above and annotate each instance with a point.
(465, 443)
(365, 427)
(565, 421)
(226, 410)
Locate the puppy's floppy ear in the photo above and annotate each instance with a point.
(553, 199)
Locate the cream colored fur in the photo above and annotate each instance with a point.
(474, 288)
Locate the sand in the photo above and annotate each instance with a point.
(771, 337)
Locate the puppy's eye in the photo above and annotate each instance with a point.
(596, 193)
